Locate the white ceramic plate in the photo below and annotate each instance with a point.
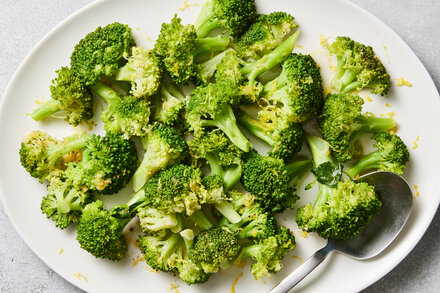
(416, 110)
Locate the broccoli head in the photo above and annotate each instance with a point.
(358, 67)
(101, 234)
(214, 249)
(391, 155)
(69, 95)
(342, 123)
(124, 115)
(265, 34)
(101, 53)
(143, 71)
(169, 104)
(42, 155)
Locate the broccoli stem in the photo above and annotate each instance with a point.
(323, 195)
(249, 251)
(368, 162)
(254, 126)
(297, 167)
(209, 67)
(68, 203)
(46, 109)
(252, 70)
(207, 46)
(169, 246)
(201, 220)
(225, 120)
(227, 210)
(369, 124)
(107, 93)
(169, 90)
(203, 23)
(320, 150)
(127, 210)
(230, 174)
(148, 167)
(69, 144)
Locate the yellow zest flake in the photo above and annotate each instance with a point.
(139, 257)
(151, 270)
(416, 188)
(187, 5)
(81, 277)
(300, 259)
(90, 125)
(39, 102)
(235, 282)
(149, 39)
(173, 288)
(60, 251)
(323, 41)
(300, 46)
(386, 52)
(402, 82)
(303, 234)
(387, 105)
(415, 142)
(264, 282)
(368, 98)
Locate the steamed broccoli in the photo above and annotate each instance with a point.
(100, 233)
(164, 147)
(234, 15)
(69, 95)
(341, 209)
(169, 104)
(143, 71)
(101, 53)
(124, 115)
(265, 34)
(107, 164)
(223, 157)
(268, 179)
(42, 155)
(296, 94)
(211, 106)
(342, 123)
(64, 202)
(268, 252)
(214, 249)
(168, 252)
(358, 67)
(391, 155)
(286, 138)
(178, 49)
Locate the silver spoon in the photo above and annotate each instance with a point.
(397, 201)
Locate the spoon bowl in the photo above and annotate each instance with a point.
(397, 201)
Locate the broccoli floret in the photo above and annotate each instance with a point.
(269, 252)
(42, 155)
(144, 72)
(214, 249)
(100, 233)
(234, 15)
(175, 190)
(342, 123)
(265, 34)
(296, 94)
(223, 157)
(179, 49)
(124, 115)
(358, 67)
(168, 252)
(107, 164)
(268, 179)
(254, 221)
(153, 220)
(169, 104)
(391, 155)
(164, 147)
(64, 203)
(211, 106)
(101, 53)
(286, 138)
(207, 69)
(341, 209)
(69, 95)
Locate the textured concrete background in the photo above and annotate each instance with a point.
(24, 22)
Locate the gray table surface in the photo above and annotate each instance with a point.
(24, 22)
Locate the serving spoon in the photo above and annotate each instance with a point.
(397, 201)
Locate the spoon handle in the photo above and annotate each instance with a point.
(303, 270)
